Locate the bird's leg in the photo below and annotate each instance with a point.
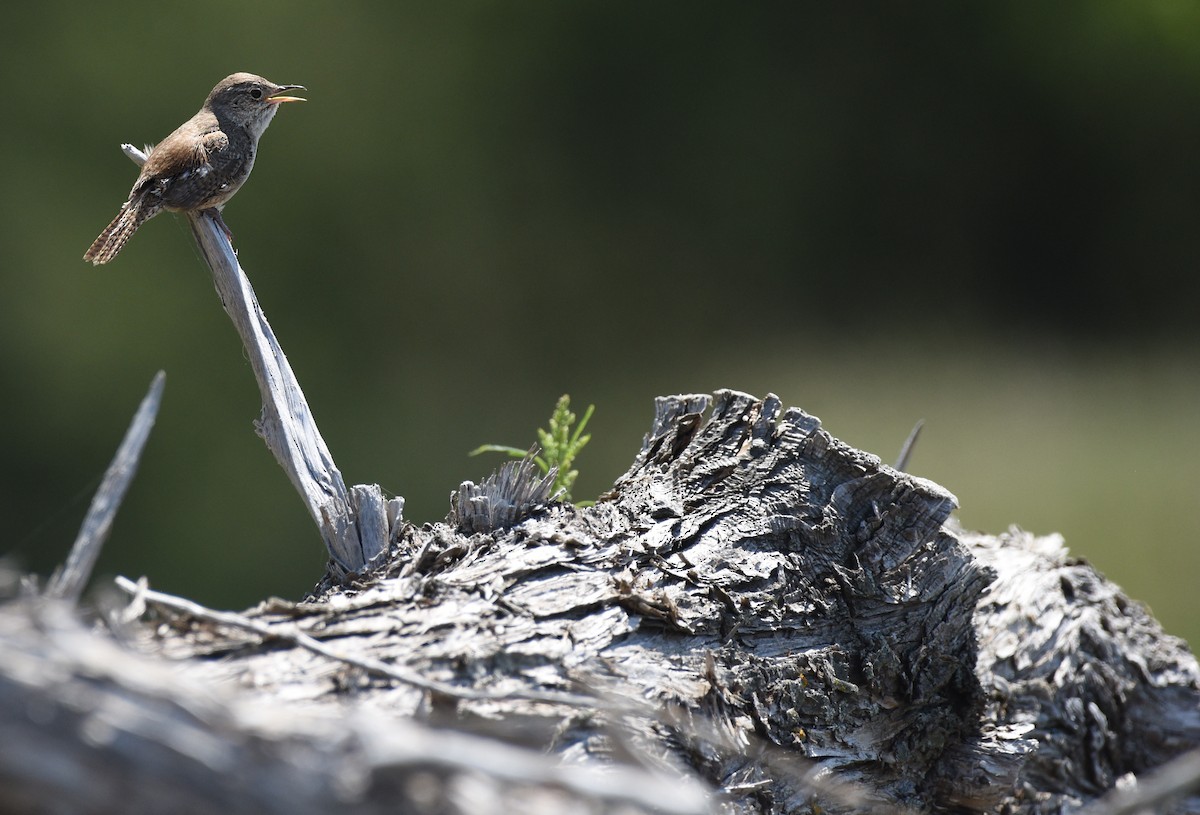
(215, 212)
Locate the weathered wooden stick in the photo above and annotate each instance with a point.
(909, 443)
(68, 581)
(355, 523)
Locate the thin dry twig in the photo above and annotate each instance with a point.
(68, 582)
(292, 634)
(906, 451)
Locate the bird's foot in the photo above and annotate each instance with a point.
(216, 216)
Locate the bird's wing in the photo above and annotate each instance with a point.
(212, 143)
(180, 171)
(179, 153)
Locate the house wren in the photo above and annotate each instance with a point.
(203, 163)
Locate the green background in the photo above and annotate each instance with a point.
(983, 215)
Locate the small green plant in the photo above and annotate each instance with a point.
(559, 445)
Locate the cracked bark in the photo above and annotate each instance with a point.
(759, 618)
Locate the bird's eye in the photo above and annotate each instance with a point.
(256, 93)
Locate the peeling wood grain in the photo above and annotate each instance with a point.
(755, 607)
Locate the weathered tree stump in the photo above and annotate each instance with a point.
(756, 618)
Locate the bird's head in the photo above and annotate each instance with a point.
(249, 100)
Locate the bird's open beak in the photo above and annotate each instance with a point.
(275, 98)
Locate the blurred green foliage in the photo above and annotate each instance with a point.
(979, 214)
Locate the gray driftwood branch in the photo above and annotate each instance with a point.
(756, 618)
(355, 523)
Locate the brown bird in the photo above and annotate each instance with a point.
(203, 163)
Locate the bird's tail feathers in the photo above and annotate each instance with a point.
(116, 234)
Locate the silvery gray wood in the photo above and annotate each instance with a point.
(755, 609)
(352, 522)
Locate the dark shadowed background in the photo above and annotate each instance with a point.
(983, 215)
